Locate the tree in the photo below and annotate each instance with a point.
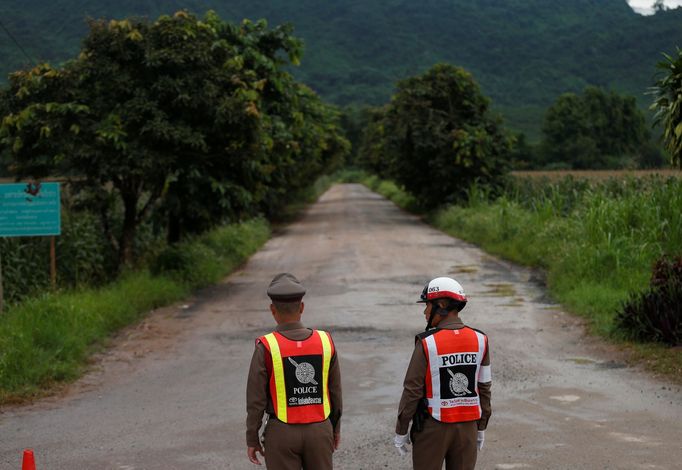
(668, 105)
(124, 117)
(372, 152)
(439, 137)
(593, 130)
(231, 94)
(194, 119)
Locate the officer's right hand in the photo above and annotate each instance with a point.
(400, 442)
(251, 452)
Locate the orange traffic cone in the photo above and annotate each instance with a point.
(29, 462)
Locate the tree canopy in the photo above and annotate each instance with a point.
(668, 104)
(524, 53)
(596, 129)
(193, 119)
(437, 137)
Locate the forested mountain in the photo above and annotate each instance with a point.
(524, 53)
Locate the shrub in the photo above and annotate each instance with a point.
(83, 258)
(208, 257)
(656, 314)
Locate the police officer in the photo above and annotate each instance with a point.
(446, 390)
(295, 379)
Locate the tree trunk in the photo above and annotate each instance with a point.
(174, 228)
(127, 240)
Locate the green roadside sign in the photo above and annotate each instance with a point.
(29, 210)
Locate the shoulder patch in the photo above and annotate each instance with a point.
(425, 334)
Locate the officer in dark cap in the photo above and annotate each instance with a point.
(295, 380)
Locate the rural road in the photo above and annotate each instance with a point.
(169, 394)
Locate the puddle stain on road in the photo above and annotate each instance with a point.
(501, 289)
(566, 398)
(581, 360)
(631, 439)
(516, 302)
(463, 269)
(584, 361)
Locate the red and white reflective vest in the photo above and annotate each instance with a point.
(299, 376)
(453, 372)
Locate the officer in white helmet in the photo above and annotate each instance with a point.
(446, 392)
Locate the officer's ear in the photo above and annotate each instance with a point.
(302, 307)
(273, 310)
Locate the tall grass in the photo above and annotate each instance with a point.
(205, 259)
(47, 339)
(597, 241)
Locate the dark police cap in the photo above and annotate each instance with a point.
(286, 288)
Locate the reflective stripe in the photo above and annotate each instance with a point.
(435, 376)
(326, 361)
(486, 375)
(479, 359)
(278, 370)
(483, 373)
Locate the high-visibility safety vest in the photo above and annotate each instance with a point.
(299, 376)
(453, 372)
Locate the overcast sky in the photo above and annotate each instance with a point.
(644, 6)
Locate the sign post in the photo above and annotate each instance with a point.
(2, 298)
(30, 210)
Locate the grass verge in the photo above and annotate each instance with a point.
(47, 340)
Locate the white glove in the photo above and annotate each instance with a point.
(400, 442)
(480, 439)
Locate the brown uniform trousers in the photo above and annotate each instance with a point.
(454, 443)
(296, 446)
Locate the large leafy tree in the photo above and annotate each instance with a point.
(668, 105)
(596, 129)
(193, 118)
(439, 137)
(230, 177)
(142, 107)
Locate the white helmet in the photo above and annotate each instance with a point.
(443, 288)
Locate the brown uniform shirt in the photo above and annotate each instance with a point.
(258, 400)
(414, 387)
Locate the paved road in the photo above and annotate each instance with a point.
(170, 393)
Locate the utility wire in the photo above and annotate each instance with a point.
(30, 59)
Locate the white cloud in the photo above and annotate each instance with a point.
(644, 7)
